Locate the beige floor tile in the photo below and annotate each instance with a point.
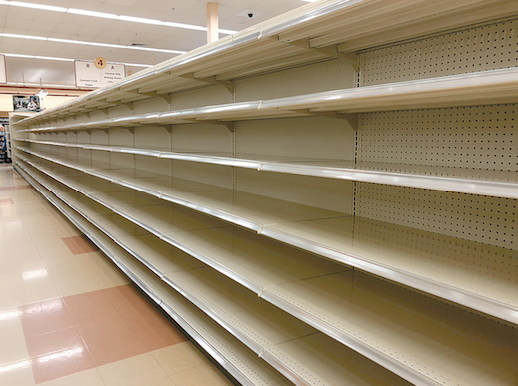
(13, 347)
(70, 278)
(16, 374)
(101, 270)
(62, 225)
(34, 286)
(26, 260)
(201, 376)
(7, 293)
(10, 315)
(180, 357)
(54, 252)
(140, 370)
(84, 378)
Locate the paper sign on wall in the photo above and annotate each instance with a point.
(3, 72)
(88, 75)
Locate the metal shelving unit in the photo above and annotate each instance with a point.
(344, 300)
(335, 189)
(339, 237)
(254, 322)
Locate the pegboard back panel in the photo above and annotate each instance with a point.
(483, 48)
(479, 268)
(485, 219)
(467, 142)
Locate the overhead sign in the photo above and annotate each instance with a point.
(3, 71)
(89, 75)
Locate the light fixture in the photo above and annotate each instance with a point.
(42, 94)
(81, 42)
(67, 59)
(113, 16)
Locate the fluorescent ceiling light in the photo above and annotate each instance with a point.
(68, 60)
(68, 41)
(113, 16)
(35, 6)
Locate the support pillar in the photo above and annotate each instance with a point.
(212, 22)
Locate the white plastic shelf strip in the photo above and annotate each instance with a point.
(436, 282)
(486, 87)
(303, 167)
(224, 304)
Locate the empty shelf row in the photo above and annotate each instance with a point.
(480, 88)
(444, 266)
(301, 353)
(323, 168)
(312, 33)
(231, 354)
(386, 323)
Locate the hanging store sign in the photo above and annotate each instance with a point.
(88, 73)
(3, 71)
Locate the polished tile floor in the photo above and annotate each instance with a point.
(68, 317)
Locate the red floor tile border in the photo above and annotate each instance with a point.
(79, 245)
(76, 333)
(6, 201)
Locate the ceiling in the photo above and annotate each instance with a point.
(63, 25)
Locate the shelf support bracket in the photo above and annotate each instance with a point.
(352, 118)
(228, 124)
(211, 80)
(166, 97)
(331, 51)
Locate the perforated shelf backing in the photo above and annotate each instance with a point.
(462, 141)
(490, 220)
(487, 47)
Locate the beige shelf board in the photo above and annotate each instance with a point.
(433, 339)
(230, 353)
(479, 88)
(446, 268)
(499, 184)
(369, 23)
(221, 299)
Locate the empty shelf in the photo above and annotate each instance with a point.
(324, 24)
(342, 305)
(258, 324)
(231, 354)
(480, 88)
(444, 266)
(503, 184)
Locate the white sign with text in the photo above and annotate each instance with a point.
(3, 72)
(88, 75)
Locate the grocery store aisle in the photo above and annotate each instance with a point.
(68, 317)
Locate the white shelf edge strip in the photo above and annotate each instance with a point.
(462, 88)
(349, 341)
(442, 290)
(447, 184)
(226, 364)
